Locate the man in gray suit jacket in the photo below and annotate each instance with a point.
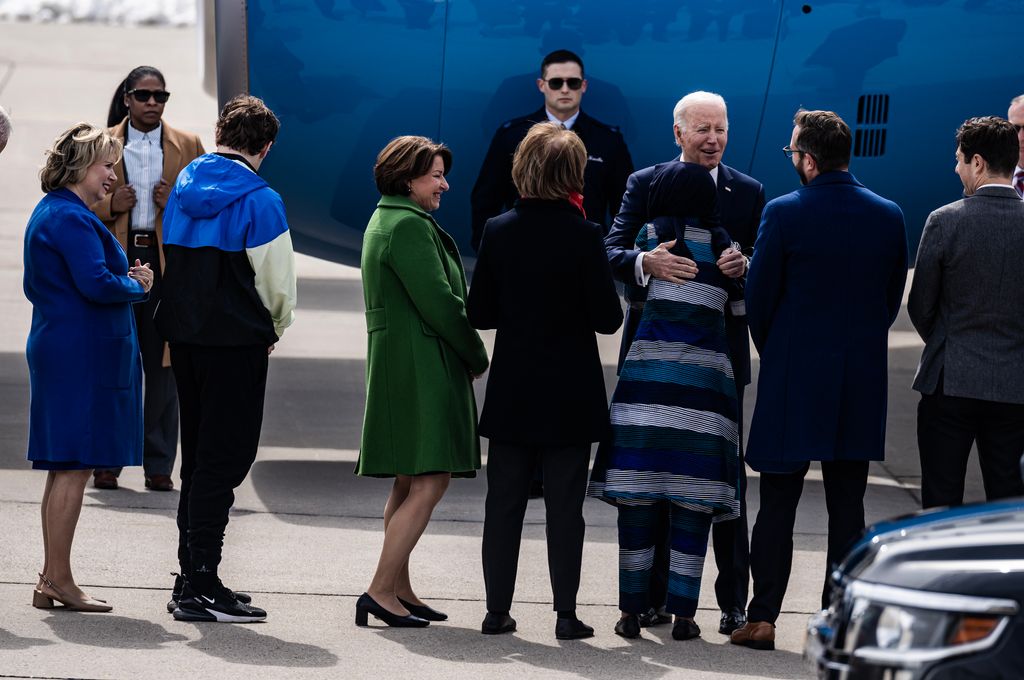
(967, 303)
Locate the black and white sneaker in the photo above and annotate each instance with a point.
(218, 605)
(179, 584)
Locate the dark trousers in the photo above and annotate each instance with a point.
(771, 546)
(946, 429)
(730, 541)
(160, 398)
(220, 390)
(509, 472)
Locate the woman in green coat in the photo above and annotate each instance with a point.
(420, 420)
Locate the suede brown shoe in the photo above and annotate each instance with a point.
(104, 479)
(159, 483)
(756, 635)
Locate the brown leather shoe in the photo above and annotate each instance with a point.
(104, 479)
(160, 483)
(755, 634)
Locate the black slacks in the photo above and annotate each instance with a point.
(160, 399)
(771, 546)
(730, 541)
(946, 429)
(221, 391)
(509, 472)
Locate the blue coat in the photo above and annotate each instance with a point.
(83, 354)
(825, 284)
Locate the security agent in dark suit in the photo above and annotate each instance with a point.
(967, 302)
(701, 129)
(562, 83)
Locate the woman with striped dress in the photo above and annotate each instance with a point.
(674, 433)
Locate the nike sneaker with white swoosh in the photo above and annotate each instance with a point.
(219, 605)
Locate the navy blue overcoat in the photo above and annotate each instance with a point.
(83, 353)
(824, 286)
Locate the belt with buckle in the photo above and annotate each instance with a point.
(144, 239)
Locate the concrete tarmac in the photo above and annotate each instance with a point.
(305, 532)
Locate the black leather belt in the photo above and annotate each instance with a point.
(143, 239)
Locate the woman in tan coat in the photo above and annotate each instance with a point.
(154, 154)
(420, 422)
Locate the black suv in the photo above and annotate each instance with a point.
(936, 595)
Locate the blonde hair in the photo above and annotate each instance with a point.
(73, 152)
(549, 163)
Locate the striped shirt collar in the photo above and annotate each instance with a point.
(137, 135)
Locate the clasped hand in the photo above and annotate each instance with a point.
(662, 264)
(143, 274)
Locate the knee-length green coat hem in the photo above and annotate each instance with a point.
(422, 353)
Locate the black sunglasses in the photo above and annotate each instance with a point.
(142, 96)
(1018, 128)
(556, 83)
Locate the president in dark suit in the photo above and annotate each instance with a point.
(823, 289)
(967, 302)
(545, 400)
(701, 129)
(563, 83)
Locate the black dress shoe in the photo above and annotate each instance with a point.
(367, 605)
(653, 617)
(628, 627)
(423, 611)
(684, 629)
(572, 629)
(496, 624)
(733, 619)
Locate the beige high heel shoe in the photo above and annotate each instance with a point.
(43, 597)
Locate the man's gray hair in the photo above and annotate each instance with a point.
(699, 97)
(5, 127)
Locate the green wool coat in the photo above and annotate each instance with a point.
(420, 409)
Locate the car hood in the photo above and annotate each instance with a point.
(970, 550)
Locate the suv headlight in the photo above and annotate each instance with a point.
(904, 628)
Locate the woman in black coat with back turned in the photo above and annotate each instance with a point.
(543, 281)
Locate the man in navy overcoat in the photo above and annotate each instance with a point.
(824, 286)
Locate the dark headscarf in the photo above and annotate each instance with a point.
(687, 193)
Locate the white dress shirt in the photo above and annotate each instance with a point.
(144, 166)
(566, 123)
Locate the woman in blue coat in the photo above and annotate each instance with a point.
(83, 355)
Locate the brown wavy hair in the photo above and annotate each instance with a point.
(246, 124)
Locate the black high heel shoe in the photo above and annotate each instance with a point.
(423, 611)
(367, 605)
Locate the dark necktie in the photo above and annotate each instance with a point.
(1018, 183)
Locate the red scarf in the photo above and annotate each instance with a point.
(576, 198)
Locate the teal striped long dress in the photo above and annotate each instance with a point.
(673, 412)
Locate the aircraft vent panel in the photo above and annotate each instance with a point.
(872, 118)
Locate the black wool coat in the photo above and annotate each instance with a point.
(546, 385)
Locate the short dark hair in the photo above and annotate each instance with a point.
(994, 139)
(824, 136)
(561, 57)
(246, 124)
(404, 159)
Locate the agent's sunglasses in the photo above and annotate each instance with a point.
(142, 96)
(557, 83)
